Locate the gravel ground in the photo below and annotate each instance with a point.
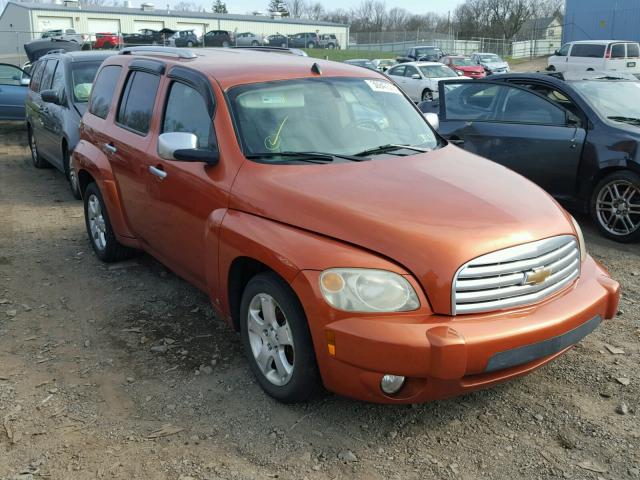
(121, 371)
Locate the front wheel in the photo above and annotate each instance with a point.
(225, 44)
(311, 45)
(72, 176)
(101, 235)
(189, 44)
(615, 206)
(551, 68)
(37, 160)
(276, 339)
(254, 43)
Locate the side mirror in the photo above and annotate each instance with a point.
(51, 96)
(557, 53)
(183, 147)
(433, 120)
(25, 81)
(416, 76)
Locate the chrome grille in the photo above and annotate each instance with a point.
(511, 277)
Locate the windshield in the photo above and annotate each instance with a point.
(361, 63)
(437, 71)
(490, 58)
(462, 62)
(329, 115)
(427, 51)
(611, 98)
(82, 75)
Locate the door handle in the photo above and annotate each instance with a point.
(110, 148)
(158, 172)
(456, 140)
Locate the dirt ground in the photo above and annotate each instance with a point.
(122, 372)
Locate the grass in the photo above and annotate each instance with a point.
(342, 55)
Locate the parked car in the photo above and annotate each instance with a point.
(13, 91)
(68, 34)
(374, 256)
(422, 54)
(597, 55)
(277, 40)
(420, 80)
(383, 64)
(491, 63)
(464, 66)
(147, 36)
(361, 62)
(577, 138)
(330, 41)
(55, 103)
(304, 40)
(108, 41)
(218, 38)
(184, 38)
(248, 39)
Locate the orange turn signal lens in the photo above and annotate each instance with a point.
(331, 342)
(332, 282)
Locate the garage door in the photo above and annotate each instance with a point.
(49, 23)
(140, 24)
(103, 25)
(198, 28)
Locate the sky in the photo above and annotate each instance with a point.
(414, 6)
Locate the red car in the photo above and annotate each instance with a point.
(463, 66)
(108, 40)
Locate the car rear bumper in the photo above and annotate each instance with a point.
(443, 356)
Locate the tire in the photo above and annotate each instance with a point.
(70, 173)
(551, 68)
(284, 45)
(331, 46)
(225, 44)
(102, 238)
(289, 372)
(615, 206)
(36, 158)
(427, 95)
(254, 43)
(311, 45)
(189, 44)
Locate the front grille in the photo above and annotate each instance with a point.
(516, 276)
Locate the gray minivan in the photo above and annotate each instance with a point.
(56, 100)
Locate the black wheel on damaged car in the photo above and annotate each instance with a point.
(101, 235)
(427, 95)
(71, 175)
(276, 339)
(615, 206)
(37, 160)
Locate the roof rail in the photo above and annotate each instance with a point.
(263, 48)
(151, 50)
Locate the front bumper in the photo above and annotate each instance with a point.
(444, 356)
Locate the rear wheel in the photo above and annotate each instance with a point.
(551, 68)
(254, 43)
(615, 206)
(70, 173)
(427, 95)
(101, 235)
(311, 45)
(284, 45)
(225, 44)
(276, 339)
(189, 44)
(331, 46)
(37, 160)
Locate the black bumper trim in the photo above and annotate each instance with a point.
(529, 353)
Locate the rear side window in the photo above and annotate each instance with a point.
(186, 111)
(633, 50)
(590, 50)
(618, 50)
(36, 76)
(47, 76)
(136, 105)
(103, 90)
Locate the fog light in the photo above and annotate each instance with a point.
(390, 384)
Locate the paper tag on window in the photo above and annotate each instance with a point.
(382, 86)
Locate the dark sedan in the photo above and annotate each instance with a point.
(578, 137)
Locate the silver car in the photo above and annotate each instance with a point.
(248, 39)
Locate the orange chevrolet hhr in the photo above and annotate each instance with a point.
(346, 241)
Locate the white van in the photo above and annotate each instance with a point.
(597, 55)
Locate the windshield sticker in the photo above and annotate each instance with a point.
(272, 142)
(382, 86)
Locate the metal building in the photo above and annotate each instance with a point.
(601, 20)
(21, 22)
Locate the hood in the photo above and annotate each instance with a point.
(39, 48)
(430, 213)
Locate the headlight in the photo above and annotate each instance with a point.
(460, 72)
(363, 290)
(583, 247)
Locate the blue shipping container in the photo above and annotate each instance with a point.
(601, 20)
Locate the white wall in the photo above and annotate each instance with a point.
(15, 28)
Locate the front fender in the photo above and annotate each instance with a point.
(284, 249)
(89, 159)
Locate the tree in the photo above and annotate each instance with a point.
(219, 7)
(297, 8)
(186, 6)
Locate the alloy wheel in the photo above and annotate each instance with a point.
(33, 148)
(73, 177)
(97, 224)
(427, 96)
(618, 207)
(270, 339)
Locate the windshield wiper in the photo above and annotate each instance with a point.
(313, 157)
(390, 148)
(631, 120)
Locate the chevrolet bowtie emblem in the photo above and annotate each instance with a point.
(537, 276)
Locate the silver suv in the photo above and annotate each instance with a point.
(330, 41)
